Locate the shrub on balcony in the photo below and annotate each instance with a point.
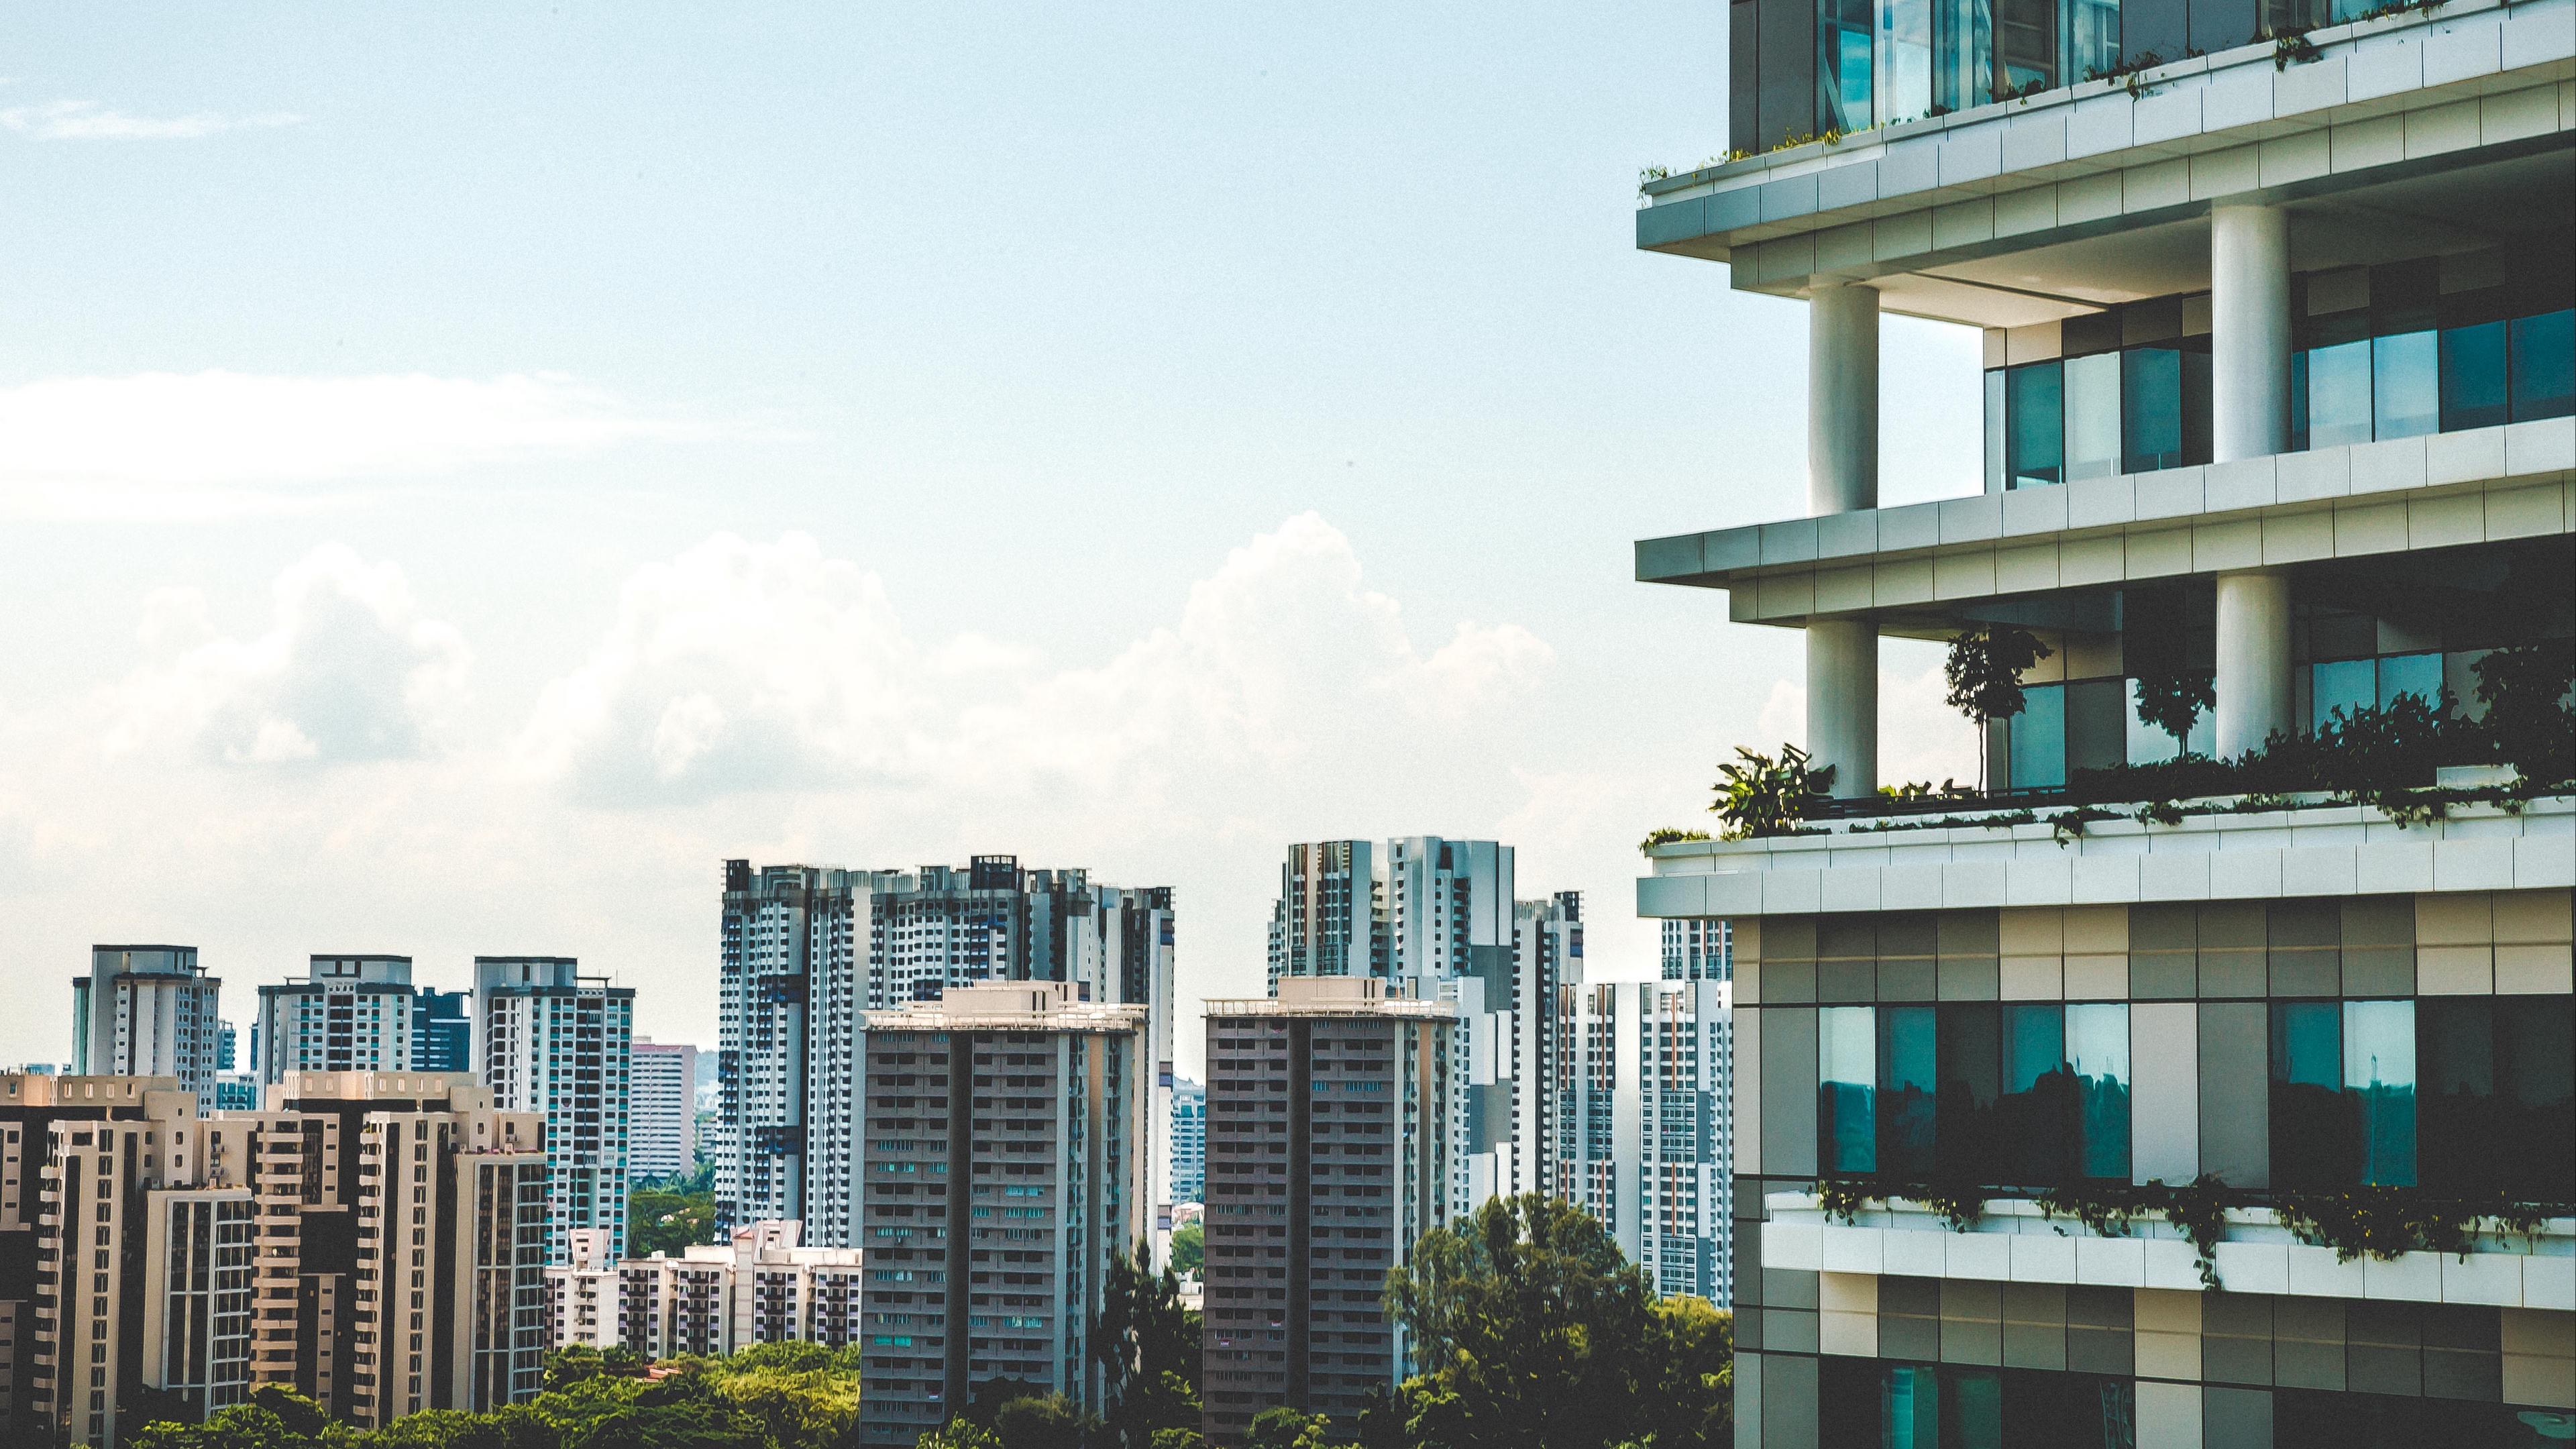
(1759, 795)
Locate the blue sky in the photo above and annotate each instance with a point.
(471, 472)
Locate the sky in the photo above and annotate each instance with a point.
(465, 472)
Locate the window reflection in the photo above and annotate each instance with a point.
(2339, 398)
(2037, 424)
(2406, 390)
(2343, 1093)
(2544, 366)
(2092, 416)
(2473, 377)
(1908, 1084)
(2097, 1048)
(2379, 1075)
(1847, 1074)
(2038, 743)
(1842, 65)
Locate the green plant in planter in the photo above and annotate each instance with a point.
(1669, 836)
(2525, 691)
(1759, 795)
(1984, 674)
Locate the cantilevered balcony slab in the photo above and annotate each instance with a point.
(1915, 207)
(1911, 566)
(2321, 850)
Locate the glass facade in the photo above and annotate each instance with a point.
(1867, 1402)
(2018, 1094)
(2343, 1094)
(2130, 395)
(2498, 1103)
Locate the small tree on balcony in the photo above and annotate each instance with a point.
(1984, 672)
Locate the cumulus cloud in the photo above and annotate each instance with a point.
(188, 445)
(740, 666)
(349, 669)
(90, 121)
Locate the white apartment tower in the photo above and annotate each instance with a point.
(148, 1011)
(662, 1110)
(807, 951)
(1189, 1142)
(2277, 305)
(552, 1041)
(348, 1014)
(1006, 1154)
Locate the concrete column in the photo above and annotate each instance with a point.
(1842, 399)
(2249, 331)
(1842, 476)
(2253, 684)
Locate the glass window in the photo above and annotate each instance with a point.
(1904, 60)
(2096, 724)
(2092, 38)
(2473, 393)
(2350, 685)
(1971, 1062)
(1910, 1407)
(2379, 1074)
(2536, 1089)
(2092, 416)
(1847, 1077)
(2339, 395)
(2025, 45)
(2406, 394)
(2497, 1094)
(1908, 1085)
(2147, 744)
(1995, 431)
(2544, 366)
(2298, 402)
(2309, 1127)
(2416, 674)
(2035, 1109)
(2037, 446)
(1972, 1401)
(2151, 409)
(2097, 1048)
(2038, 740)
(2196, 409)
(1842, 66)
(1962, 54)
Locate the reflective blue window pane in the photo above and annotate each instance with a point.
(1973, 1403)
(2148, 745)
(2379, 1075)
(1908, 1088)
(2473, 391)
(2151, 408)
(2036, 1112)
(2092, 416)
(1842, 66)
(2544, 366)
(1847, 1086)
(2039, 739)
(2092, 38)
(2350, 685)
(2097, 1049)
(2417, 674)
(2406, 384)
(2311, 1130)
(1904, 60)
(2298, 402)
(1910, 1408)
(2037, 445)
(1962, 53)
(2339, 395)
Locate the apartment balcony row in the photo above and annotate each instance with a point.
(2014, 1241)
(1922, 193)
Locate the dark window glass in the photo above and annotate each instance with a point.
(2499, 1095)
(2035, 407)
(2025, 45)
(2047, 1410)
(2096, 724)
(2034, 1113)
(1972, 1409)
(2218, 25)
(1971, 1063)
(2544, 366)
(1787, 30)
(2157, 27)
(2314, 1419)
(1962, 54)
(2150, 409)
(1743, 86)
(1908, 1083)
(2455, 1054)
(2473, 391)
(1842, 66)
(2311, 1131)
(2299, 402)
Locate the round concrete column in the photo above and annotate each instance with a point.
(2249, 331)
(1842, 702)
(2253, 685)
(1842, 475)
(1842, 398)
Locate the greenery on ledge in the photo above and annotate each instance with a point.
(2382, 1223)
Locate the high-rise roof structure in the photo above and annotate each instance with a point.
(552, 1041)
(349, 1014)
(2277, 312)
(148, 1011)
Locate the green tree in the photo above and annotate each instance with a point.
(1532, 1328)
(662, 1221)
(1286, 1428)
(1189, 1246)
(1690, 1375)
(1039, 1422)
(1148, 1349)
(959, 1434)
(1984, 673)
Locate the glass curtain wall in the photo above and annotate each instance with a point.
(2398, 351)
(2005, 1095)
(2343, 1094)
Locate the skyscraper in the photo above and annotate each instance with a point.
(348, 1014)
(555, 1042)
(147, 1011)
(442, 1031)
(1005, 1157)
(1329, 1155)
(2277, 314)
(661, 1137)
(808, 950)
(1189, 1142)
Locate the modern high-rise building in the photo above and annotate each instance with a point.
(348, 1014)
(147, 1011)
(442, 1031)
(374, 1242)
(1189, 1142)
(1329, 1154)
(227, 1047)
(1643, 1123)
(808, 951)
(662, 1110)
(552, 1041)
(2276, 310)
(1006, 1155)
(1439, 921)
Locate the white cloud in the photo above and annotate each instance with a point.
(90, 121)
(171, 445)
(741, 666)
(347, 670)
